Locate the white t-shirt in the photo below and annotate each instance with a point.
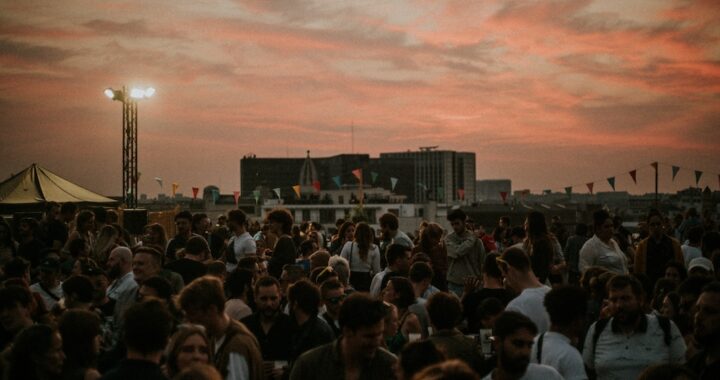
(690, 253)
(49, 300)
(351, 252)
(536, 372)
(530, 304)
(558, 352)
(242, 245)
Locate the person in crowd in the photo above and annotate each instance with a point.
(8, 245)
(517, 237)
(49, 285)
(81, 342)
(68, 212)
(692, 248)
(189, 346)
(602, 250)
(654, 252)
(492, 287)
(445, 313)
(78, 292)
(270, 325)
(84, 229)
(357, 353)
(119, 267)
(201, 225)
(312, 331)
(515, 267)
(36, 354)
(701, 267)
(241, 244)
(390, 227)
(305, 249)
(239, 288)
(400, 293)
(670, 307)
(431, 244)
(107, 239)
(363, 256)
(183, 232)
(572, 252)
(415, 357)
(346, 231)
(342, 267)
(465, 253)
(55, 231)
(155, 236)
(192, 263)
(320, 259)
(284, 251)
(689, 292)
(333, 295)
(146, 263)
(16, 305)
(513, 340)
(675, 271)
(30, 247)
(237, 352)
(486, 313)
(147, 329)
(633, 340)
(706, 363)
(567, 307)
(398, 263)
(540, 245)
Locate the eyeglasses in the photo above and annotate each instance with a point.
(335, 300)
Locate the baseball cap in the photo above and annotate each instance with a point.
(701, 262)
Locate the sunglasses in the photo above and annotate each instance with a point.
(335, 300)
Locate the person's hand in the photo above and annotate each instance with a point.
(471, 284)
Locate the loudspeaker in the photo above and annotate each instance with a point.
(135, 220)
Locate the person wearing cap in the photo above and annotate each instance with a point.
(49, 286)
(700, 266)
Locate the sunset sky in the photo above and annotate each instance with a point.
(547, 93)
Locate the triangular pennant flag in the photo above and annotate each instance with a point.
(358, 174)
(374, 176)
(316, 185)
(297, 190)
(236, 194)
(676, 169)
(215, 194)
(277, 192)
(175, 186)
(590, 187)
(336, 179)
(393, 182)
(503, 195)
(159, 181)
(633, 174)
(611, 181)
(195, 192)
(568, 190)
(698, 174)
(654, 165)
(256, 195)
(461, 194)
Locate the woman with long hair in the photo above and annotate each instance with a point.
(399, 292)
(155, 235)
(542, 248)
(36, 354)
(431, 244)
(84, 229)
(344, 235)
(189, 346)
(363, 256)
(106, 242)
(81, 337)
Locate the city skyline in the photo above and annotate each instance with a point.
(547, 94)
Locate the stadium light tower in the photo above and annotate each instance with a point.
(129, 99)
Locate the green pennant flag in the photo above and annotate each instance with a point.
(611, 181)
(374, 176)
(336, 179)
(675, 170)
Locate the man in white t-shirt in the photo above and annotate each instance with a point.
(241, 243)
(519, 277)
(49, 286)
(513, 341)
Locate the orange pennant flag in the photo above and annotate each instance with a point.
(297, 190)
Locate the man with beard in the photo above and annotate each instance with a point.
(706, 363)
(633, 340)
(119, 267)
(271, 327)
(357, 353)
(513, 340)
(183, 226)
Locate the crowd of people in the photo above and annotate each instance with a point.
(81, 298)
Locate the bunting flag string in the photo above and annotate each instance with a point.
(236, 194)
(590, 187)
(393, 182)
(336, 179)
(611, 181)
(675, 170)
(277, 192)
(297, 190)
(698, 174)
(374, 177)
(195, 192)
